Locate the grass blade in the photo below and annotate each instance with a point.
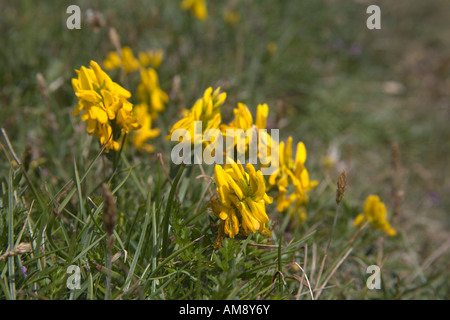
(168, 211)
(12, 287)
(78, 189)
(139, 247)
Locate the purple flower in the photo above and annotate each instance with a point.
(25, 270)
(355, 49)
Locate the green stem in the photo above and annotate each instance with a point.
(280, 278)
(109, 268)
(116, 156)
(11, 236)
(168, 211)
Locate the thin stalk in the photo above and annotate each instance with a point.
(333, 271)
(116, 156)
(279, 266)
(155, 243)
(109, 268)
(12, 285)
(168, 211)
(328, 245)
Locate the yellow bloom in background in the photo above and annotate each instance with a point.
(112, 61)
(149, 92)
(206, 110)
(241, 200)
(151, 58)
(262, 112)
(231, 17)
(375, 212)
(126, 60)
(146, 132)
(197, 8)
(103, 104)
(271, 48)
(292, 171)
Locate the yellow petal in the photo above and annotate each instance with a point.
(220, 100)
(77, 109)
(262, 112)
(359, 220)
(99, 114)
(235, 187)
(248, 221)
(273, 177)
(261, 186)
(281, 153)
(300, 156)
(84, 80)
(223, 215)
(88, 95)
(267, 199)
(121, 91)
(91, 124)
(258, 210)
(390, 231)
(237, 169)
(288, 150)
(207, 94)
(220, 176)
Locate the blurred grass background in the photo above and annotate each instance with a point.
(328, 80)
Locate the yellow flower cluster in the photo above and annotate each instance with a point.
(236, 189)
(127, 60)
(375, 213)
(151, 58)
(197, 8)
(292, 171)
(241, 202)
(206, 110)
(243, 120)
(152, 99)
(150, 94)
(145, 132)
(104, 105)
(231, 17)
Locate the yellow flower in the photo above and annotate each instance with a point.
(197, 8)
(243, 120)
(375, 213)
(231, 17)
(149, 92)
(152, 58)
(292, 171)
(271, 48)
(243, 117)
(105, 133)
(112, 61)
(103, 104)
(206, 110)
(126, 60)
(146, 132)
(241, 200)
